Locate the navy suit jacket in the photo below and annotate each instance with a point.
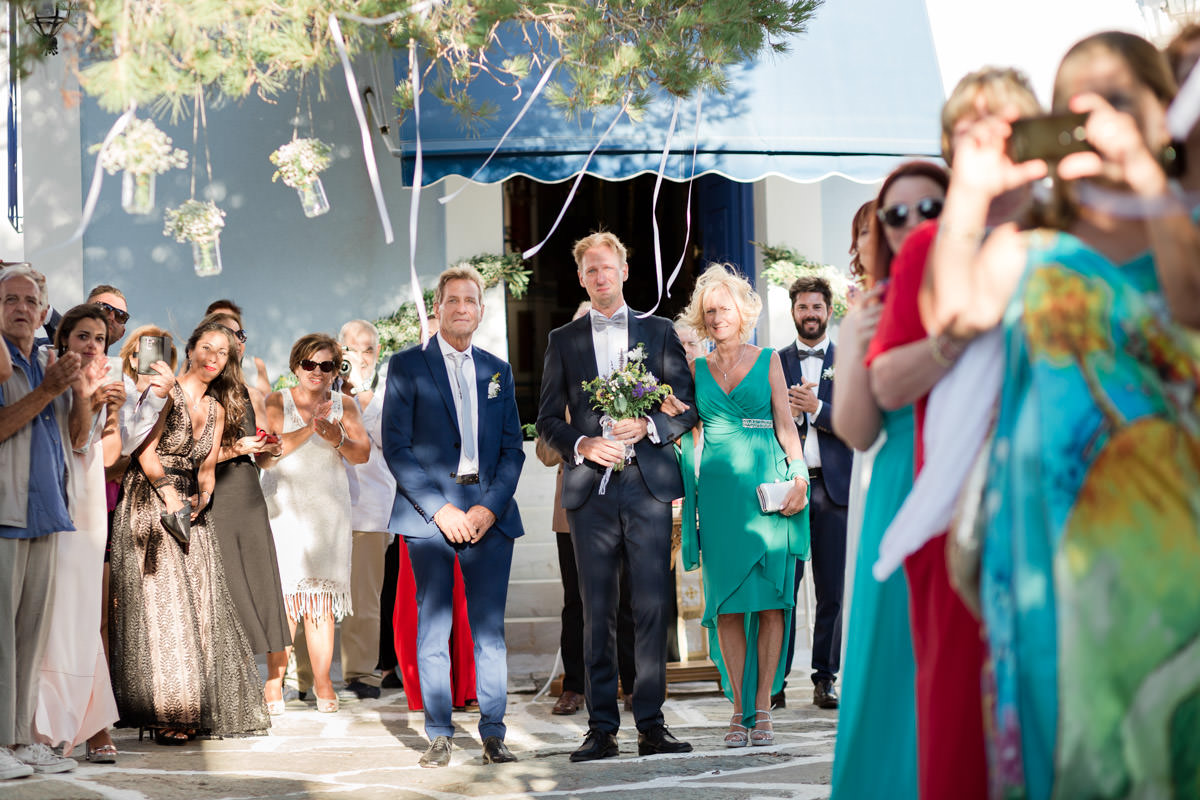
(421, 441)
(571, 360)
(836, 458)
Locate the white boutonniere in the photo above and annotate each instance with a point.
(494, 387)
(827, 375)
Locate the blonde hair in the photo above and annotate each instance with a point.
(462, 272)
(747, 301)
(130, 348)
(999, 87)
(598, 239)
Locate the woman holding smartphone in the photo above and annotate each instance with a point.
(308, 499)
(182, 662)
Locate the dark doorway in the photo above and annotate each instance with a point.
(722, 225)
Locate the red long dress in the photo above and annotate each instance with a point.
(947, 641)
(404, 626)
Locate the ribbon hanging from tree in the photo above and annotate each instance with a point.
(662, 168)
(414, 207)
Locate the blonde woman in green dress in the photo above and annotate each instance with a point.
(747, 558)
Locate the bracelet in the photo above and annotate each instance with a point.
(338, 446)
(969, 234)
(158, 483)
(938, 356)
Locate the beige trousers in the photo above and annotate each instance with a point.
(26, 594)
(359, 631)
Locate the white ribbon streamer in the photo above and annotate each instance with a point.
(89, 207)
(1184, 110)
(662, 168)
(368, 149)
(533, 251)
(414, 208)
(537, 90)
(687, 214)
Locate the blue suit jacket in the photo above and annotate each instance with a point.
(836, 458)
(421, 441)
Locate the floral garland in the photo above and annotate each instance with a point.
(301, 161)
(783, 265)
(142, 149)
(194, 221)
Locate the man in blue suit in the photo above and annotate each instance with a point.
(808, 368)
(452, 438)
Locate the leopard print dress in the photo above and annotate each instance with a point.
(179, 655)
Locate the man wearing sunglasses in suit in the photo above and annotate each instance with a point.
(452, 438)
(116, 311)
(807, 366)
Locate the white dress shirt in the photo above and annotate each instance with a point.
(612, 342)
(811, 369)
(466, 466)
(372, 485)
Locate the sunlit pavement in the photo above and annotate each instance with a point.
(370, 748)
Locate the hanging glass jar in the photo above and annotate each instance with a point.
(312, 198)
(137, 192)
(206, 254)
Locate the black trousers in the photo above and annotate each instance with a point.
(627, 526)
(827, 523)
(387, 607)
(571, 638)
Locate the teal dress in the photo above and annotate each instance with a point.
(747, 558)
(876, 752)
(1091, 559)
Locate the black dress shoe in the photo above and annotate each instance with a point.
(496, 752)
(659, 740)
(596, 745)
(824, 695)
(778, 700)
(391, 680)
(438, 754)
(363, 691)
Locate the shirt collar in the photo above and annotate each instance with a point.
(821, 345)
(622, 312)
(448, 350)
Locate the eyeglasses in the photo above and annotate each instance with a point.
(897, 216)
(120, 316)
(324, 366)
(241, 335)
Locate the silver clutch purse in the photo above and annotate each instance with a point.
(771, 495)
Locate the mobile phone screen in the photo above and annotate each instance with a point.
(150, 349)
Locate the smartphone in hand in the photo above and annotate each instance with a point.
(150, 350)
(1049, 137)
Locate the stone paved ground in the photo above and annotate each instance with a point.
(370, 748)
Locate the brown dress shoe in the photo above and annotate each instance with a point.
(824, 695)
(568, 703)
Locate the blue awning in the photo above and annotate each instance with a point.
(857, 94)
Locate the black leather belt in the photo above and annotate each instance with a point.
(814, 472)
(465, 480)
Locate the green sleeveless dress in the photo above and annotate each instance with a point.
(747, 558)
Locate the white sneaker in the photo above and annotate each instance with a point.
(43, 759)
(10, 767)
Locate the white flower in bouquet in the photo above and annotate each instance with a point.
(300, 161)
(141, 148)
(784, 265)
(194, 221)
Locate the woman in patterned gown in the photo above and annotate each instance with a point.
(749, 558)
(181, 662)
(1090, 549)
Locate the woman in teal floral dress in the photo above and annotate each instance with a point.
(1092, 525)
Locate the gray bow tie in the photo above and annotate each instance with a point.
(803, 354)
(600, 323)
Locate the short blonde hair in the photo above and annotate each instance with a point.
(747, 301)
(999, 87)
(130, 348)
(599, 239)
(462, 272)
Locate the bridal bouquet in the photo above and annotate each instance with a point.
(628, 392)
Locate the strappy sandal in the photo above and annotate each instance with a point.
(762, 738)
(104, 754)
(737, 733)
(170, 737)
(329, 706)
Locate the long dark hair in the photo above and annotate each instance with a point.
(864, 214)
(881, 267)
(66, 325)
(227, 388)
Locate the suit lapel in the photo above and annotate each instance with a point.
(484, 369)
(437, 370)
(791, 364)
(635, 331)
(586, 348)
(825, 387)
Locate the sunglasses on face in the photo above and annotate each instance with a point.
(120, 316)
(324, 366)
(898, 216)
(241, 335)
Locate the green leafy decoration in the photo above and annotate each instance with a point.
(782, 266)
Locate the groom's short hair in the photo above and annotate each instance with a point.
(598, 239)
(461, 272)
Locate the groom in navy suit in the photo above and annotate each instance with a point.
(631, 522)
(452, 438)
(808, 368)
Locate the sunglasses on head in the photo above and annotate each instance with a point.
(120, 316)
(897, 216)
(324, 366)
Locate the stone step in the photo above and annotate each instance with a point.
(532, 635)
(533, 560)
(535, 597)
